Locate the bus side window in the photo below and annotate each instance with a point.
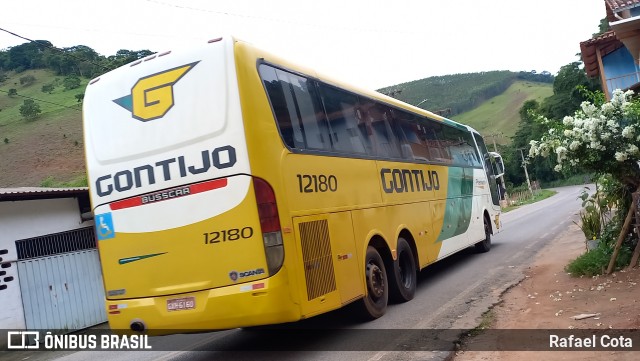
(364, 130)
(462, 148)
(474, 157)
(340, 108)
(413, 139)
(385, 141)
(435, 140)
(308, 112)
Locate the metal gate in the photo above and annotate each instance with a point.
(61, 281)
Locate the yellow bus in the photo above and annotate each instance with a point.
(232, 188)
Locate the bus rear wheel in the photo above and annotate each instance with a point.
(485, 245)
(403, 280)
(374, 303)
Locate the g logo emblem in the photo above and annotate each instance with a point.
(152, 96)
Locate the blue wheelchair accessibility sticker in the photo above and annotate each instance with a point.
(104, 226)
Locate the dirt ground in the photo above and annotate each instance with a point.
(548, 298)
(41, 149)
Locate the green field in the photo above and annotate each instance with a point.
(499, 115)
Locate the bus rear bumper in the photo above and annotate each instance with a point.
(262, 302)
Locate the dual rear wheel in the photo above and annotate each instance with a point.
(400, 285)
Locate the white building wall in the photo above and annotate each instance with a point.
(26, 219)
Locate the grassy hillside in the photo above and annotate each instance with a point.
(499, 115)
(48, 147)
(458, 92)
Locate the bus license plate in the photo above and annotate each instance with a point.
(179, 304)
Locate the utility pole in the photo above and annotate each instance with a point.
(493, 138)
(526, 174)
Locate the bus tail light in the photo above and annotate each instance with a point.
(270, 224)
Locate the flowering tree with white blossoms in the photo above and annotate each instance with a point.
(602, 139)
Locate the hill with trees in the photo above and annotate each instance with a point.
(80, 60)
(41, 93)
(459, 93)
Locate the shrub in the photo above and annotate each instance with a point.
(27, 80)
(48, 88)
(595, 262)
(589, 264)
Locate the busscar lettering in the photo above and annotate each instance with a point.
(408, 180)
(165, 170)
(160, 196)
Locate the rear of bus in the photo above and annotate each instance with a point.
(188, 239)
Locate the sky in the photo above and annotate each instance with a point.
(369, 43)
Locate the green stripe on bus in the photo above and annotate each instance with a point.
(457, 215)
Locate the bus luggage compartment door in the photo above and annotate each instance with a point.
(329, 260)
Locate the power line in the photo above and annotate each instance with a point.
(321, 26)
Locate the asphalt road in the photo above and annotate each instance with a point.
(451, 296)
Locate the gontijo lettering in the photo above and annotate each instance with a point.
(408, 180)
(167, 169)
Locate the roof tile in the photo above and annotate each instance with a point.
(606, 43)
(25, 193)
(619, 5)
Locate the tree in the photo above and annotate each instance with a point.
(603, 138)
(71, 82)
(28, 55)
(603, 27)
(600, 138)
(567, 97)
(124, 56)
(84, 59)
(30, 109)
